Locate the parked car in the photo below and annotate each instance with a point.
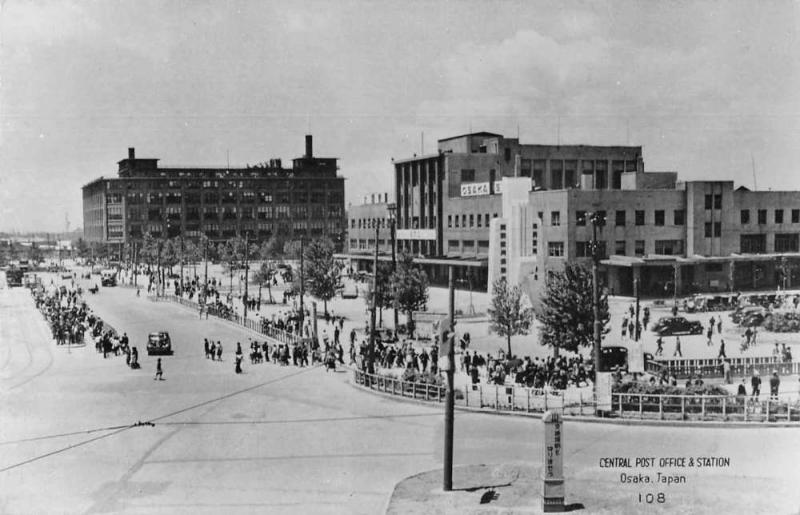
(670, 326)
(159, 343)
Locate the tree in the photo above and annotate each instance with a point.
(385, 290)
(321, 270)
(263, 275)
(231, 253)
(410, 285)
(508, 316)
(565, 311)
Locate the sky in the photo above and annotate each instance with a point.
(709, 89)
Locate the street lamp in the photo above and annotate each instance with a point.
(392, 210)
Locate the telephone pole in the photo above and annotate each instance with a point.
(246, 269)
(448, 345)
(371, 361)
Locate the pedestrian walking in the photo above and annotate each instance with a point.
(719, 325)
(721, 349)
(159, 371)
(219, 351)
(709, 332)
(677, 347)
(660, 343)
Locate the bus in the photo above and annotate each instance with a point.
(108, 278)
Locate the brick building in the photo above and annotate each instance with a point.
(263, 201)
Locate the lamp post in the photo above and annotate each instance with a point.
(371, 351)
(597, 221)
(392, 210)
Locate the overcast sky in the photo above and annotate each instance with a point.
(702, 86)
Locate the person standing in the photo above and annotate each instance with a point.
(660, 343)
(677, 347)
(159, 371)
(774, 384)
(721, 349)
(239, 357)
(219, 350)
(726, 371)
(755, 384)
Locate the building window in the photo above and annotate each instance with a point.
(525, 168)
(538, 172)
(639, 217)
(779, 216)
(708, 229)
(478, 220)
(507, 153)
(452, 246)
(638, 248)
(555, 218)
(467, 175)
(762, 216)
(620, 218)
(449, 221)
(601, 175)
(717, 229)
(555, 248)
(669, 247)
(679, 217)
(659, 217)
(456, 217)
(709, 201)
(464, 221)
(744, 216)
(713, 267)
(583, 249)
(556, 175)
(787, 242)
(753, 243)
(718, 201)
(471, 220)
(483, 246)
(486, 219)
(580, 217)
(619, 247)
(795, 216)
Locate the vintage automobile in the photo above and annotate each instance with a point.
(159, 343)
(670, 326)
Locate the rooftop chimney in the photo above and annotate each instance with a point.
(309, 146)
(131, 153)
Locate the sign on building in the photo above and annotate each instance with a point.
(475, 189)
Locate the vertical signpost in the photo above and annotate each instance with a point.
(553, 492)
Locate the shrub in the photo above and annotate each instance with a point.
(782, 322)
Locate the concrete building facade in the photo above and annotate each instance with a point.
(264, 201)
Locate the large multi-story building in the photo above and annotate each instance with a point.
(674, 239)
(265, 200)
(493, 207)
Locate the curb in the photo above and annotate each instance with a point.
(586, 419)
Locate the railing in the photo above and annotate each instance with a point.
(580, 401)
(253, 324)
(740, 366)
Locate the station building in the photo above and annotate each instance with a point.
(493, 207)
(265, 200)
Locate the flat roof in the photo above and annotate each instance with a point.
(490, 134)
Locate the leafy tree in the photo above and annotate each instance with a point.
(508, 316)
(321, 270)
(231, 253)
(410, 286)
(263, 275)
(385, 289)
(565, 311)
(82, 248)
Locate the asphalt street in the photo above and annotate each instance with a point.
(293, 440)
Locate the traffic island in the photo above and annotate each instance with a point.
(503, 488)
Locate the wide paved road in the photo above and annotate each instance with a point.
(288, 440)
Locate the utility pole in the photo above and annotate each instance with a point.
(374, 303)
(595, 219)
(394, 264)
(637, 329)
(246, 269)
(302, 286)
(205, 261)
(449, 399)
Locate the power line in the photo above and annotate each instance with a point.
(61, 435)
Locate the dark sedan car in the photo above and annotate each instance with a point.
(159, 343)
(669, 326)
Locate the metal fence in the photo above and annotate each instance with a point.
(740, 366)
(257, 325)
(580, 401)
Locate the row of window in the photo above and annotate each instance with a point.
(365, 244)
(620, 217)
(761, 214)
(369, 223)
(214, 197)
(469, 220)
(468, 246)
